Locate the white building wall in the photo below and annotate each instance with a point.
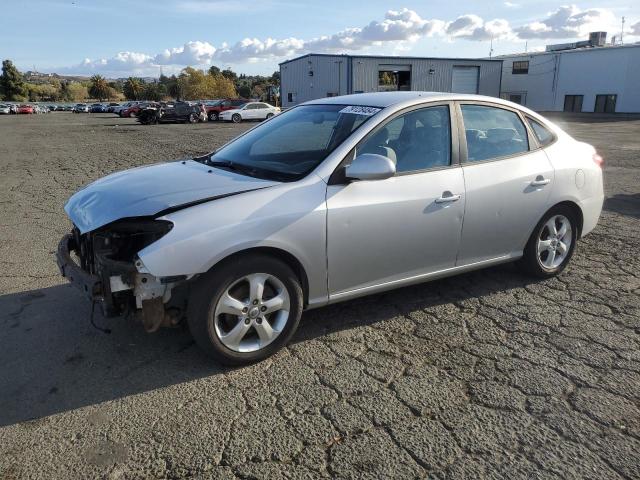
(587, 72)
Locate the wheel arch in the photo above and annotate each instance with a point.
(577, 211)
(282, 255)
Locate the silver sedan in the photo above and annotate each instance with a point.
(331, 200)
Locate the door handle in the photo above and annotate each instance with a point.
(540, 181)
(448, 197)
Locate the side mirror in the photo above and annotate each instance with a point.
(370, 166)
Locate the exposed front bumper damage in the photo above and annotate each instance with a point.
(93, 263)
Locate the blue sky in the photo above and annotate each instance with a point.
(136, 37)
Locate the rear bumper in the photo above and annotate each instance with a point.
(89, 284)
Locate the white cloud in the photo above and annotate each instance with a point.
(511, 5)
(398, 30)
(191, 53)
(472, 27)
(635, 29)
(568, 22)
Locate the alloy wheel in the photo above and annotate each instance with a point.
(252, 312)
(554, 242)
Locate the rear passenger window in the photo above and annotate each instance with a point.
(417, 140)
(544, 136)
(492, 133)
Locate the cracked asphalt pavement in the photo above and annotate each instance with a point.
(490, 374)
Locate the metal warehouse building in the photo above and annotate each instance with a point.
(319, 75)
(579, 77)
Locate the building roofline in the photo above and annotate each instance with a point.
(570, 50)
(344, 55)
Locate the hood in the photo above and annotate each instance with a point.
(147, 191)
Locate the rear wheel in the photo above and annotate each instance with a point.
(269, 115)
(193, 118)
(132, 114)
(213, 117)
(245, 310)
(236, 118)
(551, 244)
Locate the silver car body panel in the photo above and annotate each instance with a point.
(502, 206)
(361, 237)
(146, 191)
(382, 231)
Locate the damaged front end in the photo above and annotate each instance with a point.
(107, 269)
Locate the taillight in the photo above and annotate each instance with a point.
(598, 159)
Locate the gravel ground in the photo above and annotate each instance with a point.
(489, 374)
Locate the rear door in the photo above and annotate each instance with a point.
(507, 181)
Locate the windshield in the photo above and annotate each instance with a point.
(292, 144)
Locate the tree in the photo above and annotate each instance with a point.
(77, 92)
(12, 85)
(194, 84)
(100, 88)
(230, 74)
(155, 91)
(133, 88)
(214, 71)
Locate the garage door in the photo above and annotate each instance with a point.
(465, 79)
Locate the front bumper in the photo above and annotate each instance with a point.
(90, 285)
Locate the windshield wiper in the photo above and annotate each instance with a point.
(237, 167)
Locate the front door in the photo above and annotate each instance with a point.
(386, 231)
(507, 184)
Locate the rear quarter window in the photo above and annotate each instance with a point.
(542, 133)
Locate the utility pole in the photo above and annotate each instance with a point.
(622, 33)
(491, 48)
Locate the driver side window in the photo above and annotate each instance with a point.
(417, 140)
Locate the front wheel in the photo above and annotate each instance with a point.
(213, 117)
(236, 118)
(193, 118)
(551, 244)
(269, 115)
(245, 310)
(132, 114)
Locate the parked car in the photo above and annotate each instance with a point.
(134, 109)
(250, 111)
(96, 108)
(170, 113)
(215, 108)
(25, 109)
(4, 109)
(81, 108)
(111, 107)
(51, 108)
(333, 199)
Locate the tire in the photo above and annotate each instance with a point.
(213, 117)
(209, 326)
(548, 252)
(193, 118)
(269, 115)
(236, 118)
(132, 114)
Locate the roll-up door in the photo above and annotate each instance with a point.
(465, 79)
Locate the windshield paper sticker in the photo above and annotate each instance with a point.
(358, 110)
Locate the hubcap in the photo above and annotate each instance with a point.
(252, 312)
(554, 242)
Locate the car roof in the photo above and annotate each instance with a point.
(388, 99)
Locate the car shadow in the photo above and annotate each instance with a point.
(624, 204)
(54, 361)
